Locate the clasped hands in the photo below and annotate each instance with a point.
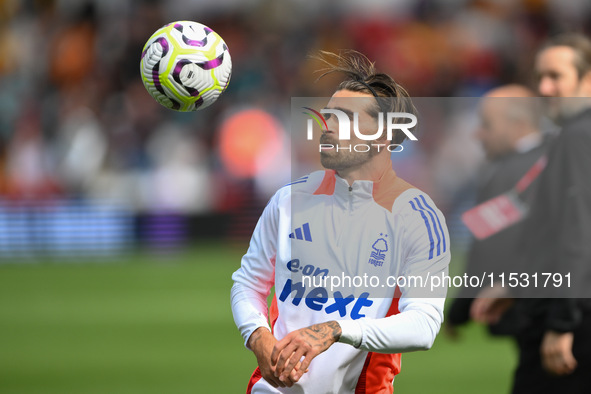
(283, 363)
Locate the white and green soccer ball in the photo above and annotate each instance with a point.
(185, 66)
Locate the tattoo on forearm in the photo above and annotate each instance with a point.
(254, 338)
(325, 333)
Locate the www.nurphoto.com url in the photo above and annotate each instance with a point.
(513, 279)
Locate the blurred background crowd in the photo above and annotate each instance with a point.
(89, 161)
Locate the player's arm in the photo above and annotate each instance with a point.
(252, 284)
(426, 248)
(414, 328)
(254, 279)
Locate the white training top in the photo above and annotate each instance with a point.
(335, 252)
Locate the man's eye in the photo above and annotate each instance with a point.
(553, 75)
(327, 116)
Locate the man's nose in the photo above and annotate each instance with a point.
(331, 125)
(546, 87)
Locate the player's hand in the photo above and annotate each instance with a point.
(261, 342)
(306, 342)
(490, 305)
(557, 353)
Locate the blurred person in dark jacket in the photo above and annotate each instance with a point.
(511, 139)
(555, 347)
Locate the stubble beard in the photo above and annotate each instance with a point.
(343, 159)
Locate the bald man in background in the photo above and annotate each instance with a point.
(510, 136)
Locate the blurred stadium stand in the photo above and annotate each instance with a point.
(89, 162)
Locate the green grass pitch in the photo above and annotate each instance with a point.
(154, 323)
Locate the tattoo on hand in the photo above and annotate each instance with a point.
(325, 333)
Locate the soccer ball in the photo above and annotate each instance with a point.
(185, 66)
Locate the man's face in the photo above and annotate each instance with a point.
(495, 132)
(350, 103)
(558, 79)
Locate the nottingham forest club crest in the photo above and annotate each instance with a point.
(379, 249)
